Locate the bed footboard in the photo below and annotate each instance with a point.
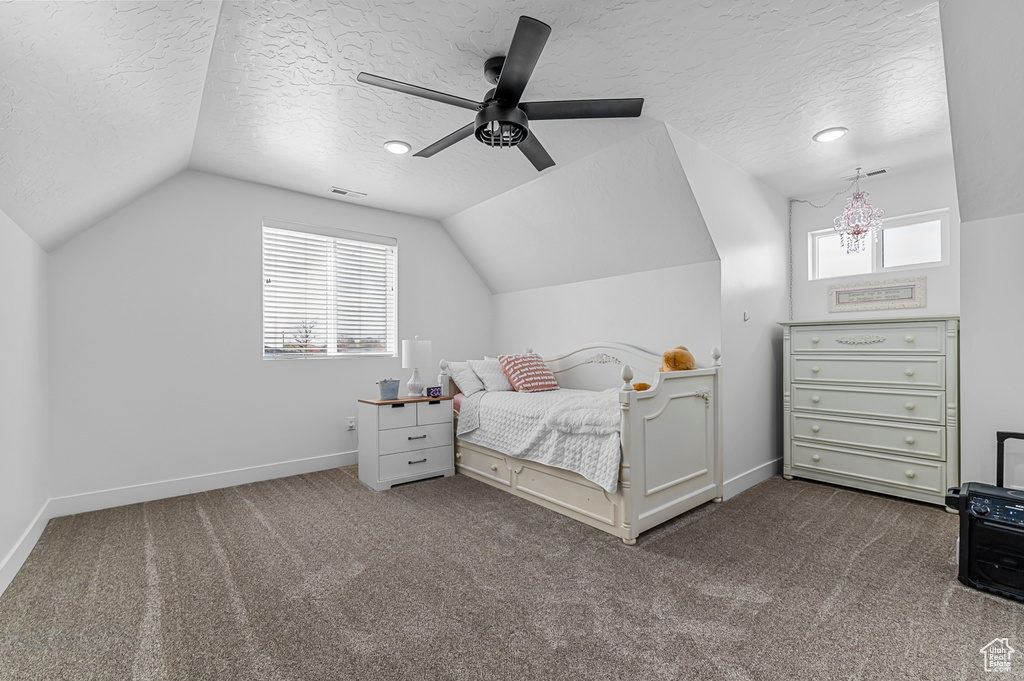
(671, 452)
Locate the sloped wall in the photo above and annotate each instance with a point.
(749, 224)
(623, 210)
(24, 418)
(156, 355)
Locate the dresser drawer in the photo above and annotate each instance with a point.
(433, 412)
(894, 438)
(417, 437)
(922, 406)
(421, 461)
(396, 415)
(915, 338)
(919, 475)
(919, 372)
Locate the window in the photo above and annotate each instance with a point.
(328, 292)
(906, 242)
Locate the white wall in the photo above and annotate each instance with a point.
(156, 317)
(992, 326)
(748, 222)
(653, 310)
(24, 416)
(621, 210)
(901, 193)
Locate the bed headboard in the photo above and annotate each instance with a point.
(598, 366)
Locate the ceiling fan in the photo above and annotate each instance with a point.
(501, 119)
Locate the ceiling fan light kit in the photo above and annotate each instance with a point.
(502, 120)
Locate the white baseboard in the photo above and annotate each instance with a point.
(16, 557)
(150, 491)
(745, 481)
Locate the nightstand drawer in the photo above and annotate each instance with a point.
(414, 463)
(912, 474)
(917, 372)
(417, 437)
(399, 415)
(433, 412)
(906, 405)
(919, 338)
(895, 438)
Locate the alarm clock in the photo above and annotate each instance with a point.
(434, 391)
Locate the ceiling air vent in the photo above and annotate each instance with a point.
(347, 192)
(870, 173)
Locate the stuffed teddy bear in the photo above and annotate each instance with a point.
(676, 359)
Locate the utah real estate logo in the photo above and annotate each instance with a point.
(998, 655)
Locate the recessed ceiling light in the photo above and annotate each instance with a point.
(397, 146)
(829, 134)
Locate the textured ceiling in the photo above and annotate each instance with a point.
(98, 103)
(99, 99)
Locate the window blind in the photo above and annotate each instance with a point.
(328, 296)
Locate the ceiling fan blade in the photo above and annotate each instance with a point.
(527, 44)
(417, 91)
(583, 108)
(534, 151)
(445, 142)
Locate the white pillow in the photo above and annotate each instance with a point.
(489, 371)
(465, 378)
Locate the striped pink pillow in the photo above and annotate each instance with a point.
(528, 373)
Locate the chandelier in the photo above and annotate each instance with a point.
(858, 218)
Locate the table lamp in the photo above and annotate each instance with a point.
(416, 353)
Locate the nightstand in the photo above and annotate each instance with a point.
(404, 440)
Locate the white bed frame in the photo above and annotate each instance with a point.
(671, 445)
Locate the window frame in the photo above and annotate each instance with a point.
(875, 244)
(336, 234)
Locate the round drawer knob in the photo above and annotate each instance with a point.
(494, 467)
(909, 406)
(458, 455)
(909, 372)
(909, 440)
(908, 338)
(815, 370)
(815, 399)
(910, 474)
(815, 429)
(816, 458)
(815, 339)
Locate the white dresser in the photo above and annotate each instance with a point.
(873, 404)
(404, 440)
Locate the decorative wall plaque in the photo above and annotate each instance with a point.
(878, 295)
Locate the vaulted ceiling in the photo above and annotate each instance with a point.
(100, 101)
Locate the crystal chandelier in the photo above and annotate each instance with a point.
(858, 218)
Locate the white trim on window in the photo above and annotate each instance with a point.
(875, 245)
(328, 292)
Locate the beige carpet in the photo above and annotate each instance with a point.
(318, 577)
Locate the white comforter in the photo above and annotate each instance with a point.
(577, 430)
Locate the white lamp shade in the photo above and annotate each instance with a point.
(416, 354)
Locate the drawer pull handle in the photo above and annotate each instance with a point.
(910, 474)
(434, 402)
(423, 460)
(815, 429)
(815, 370)
(815, 339)
(909, 372)
(815, 399)
(909, 440)
(908, 338)
(458, 455)
(909, 406)
(816, 458)
(398, 406)
(418, 437)
(494, 466)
